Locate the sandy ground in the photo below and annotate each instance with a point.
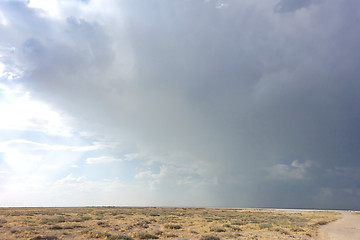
(346, 228)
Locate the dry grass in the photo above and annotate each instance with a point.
(159, 223)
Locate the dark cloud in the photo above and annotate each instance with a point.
(240, 95)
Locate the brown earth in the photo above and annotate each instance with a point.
(346, 228)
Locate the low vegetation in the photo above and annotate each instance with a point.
(114, 223)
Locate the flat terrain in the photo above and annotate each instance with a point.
(346, 228)
(160, 223)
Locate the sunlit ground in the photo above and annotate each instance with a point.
(160, 223)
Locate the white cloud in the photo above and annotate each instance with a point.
(2, 69)
(3, 21)
(21, 157)
(25, 156)
(102, 159)
(222, 5)
(296, 170)
(145, 175)
(23, 113)
(49, 6)
(27, 145)
(132, 156)
(171, 176)
(70, 179)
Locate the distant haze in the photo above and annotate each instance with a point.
(180, 103)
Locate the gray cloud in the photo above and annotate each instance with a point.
(228, 92)
(292, 5)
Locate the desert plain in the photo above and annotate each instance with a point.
(161, 223)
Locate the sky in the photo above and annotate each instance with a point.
(213, 103)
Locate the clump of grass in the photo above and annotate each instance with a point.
(99, 235)
(56, 227)
(15, 214)
(209, 237)
(321, 223)
(103, 224)
(51, 237)
(3, 221)
(143, 224)
(170, 235)
(255, 220)
(282, 231)
(297, 229)
(14, 230)
(145, 235)
(72, 226)
(60, 219)
(236, 228)
(82, 219)
(154, 214)
(172, 226)
(120, 237)
(238, 223)
(265, 225)
(158, 232)
(217, 229)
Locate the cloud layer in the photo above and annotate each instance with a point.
(246, 103)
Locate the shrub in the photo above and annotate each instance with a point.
(217, 229)
(154, 214)
(120, 237)
(282, 231)
(209, 237)
(82, 219)
(297, 229)
(172, 226)
(236, 228)
(103, 224)
(170, 235)
(55, 227)
(145, 235)
(72, 226)
(143, 224)
(322, 223)
(158, 232)
(60, 219)
(265, 225)
(99, 234)
(238, 223)
(45, 238)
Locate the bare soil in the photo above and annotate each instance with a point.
(346, 228)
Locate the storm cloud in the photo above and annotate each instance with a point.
(251, 104)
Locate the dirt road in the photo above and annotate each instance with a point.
(346, 228)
